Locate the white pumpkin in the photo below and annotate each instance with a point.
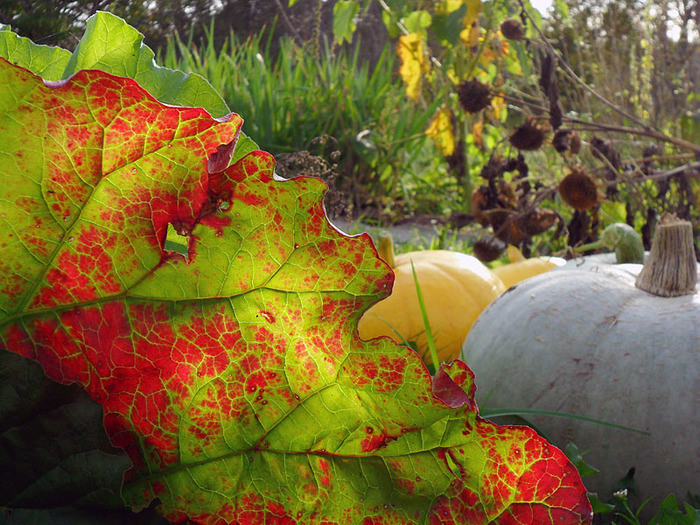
(591, 343)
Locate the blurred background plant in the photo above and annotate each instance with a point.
(483, 115)
(331, 108)
(571, 151)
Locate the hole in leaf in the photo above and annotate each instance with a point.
(176, 242)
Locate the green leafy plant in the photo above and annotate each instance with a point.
(301, 96)
(612, 158)
(670, 513)
(232, 376)
(619, 510)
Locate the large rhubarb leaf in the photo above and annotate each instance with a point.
(233, 376)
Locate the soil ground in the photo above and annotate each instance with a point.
(419, 233)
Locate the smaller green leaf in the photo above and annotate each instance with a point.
(447, 27)
(598, 506)
(584, 469)
(417, 21)
(670, 513)
(390, 23)
(111, 45)
(690, 127)
(47, 61)
(563, 9)
(344, 25)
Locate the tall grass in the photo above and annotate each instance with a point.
(291, 99)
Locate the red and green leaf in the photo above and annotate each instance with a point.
(233, 376)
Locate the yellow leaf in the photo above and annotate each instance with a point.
(413, 63)
(470, 36)
(496, 49)
(478, 134)
(473, 9)
(441, 130)
(498, 107)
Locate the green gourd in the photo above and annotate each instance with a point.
(623, 240)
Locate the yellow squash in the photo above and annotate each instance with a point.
(456, 287)
(521, 268)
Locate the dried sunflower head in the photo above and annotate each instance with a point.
(474, 95)
(566, 140)
(505, 226)
(494, 168)
(481, 202)
(512, 29)
(487, 251)
(579, 190)
(575, 143)
(529, 136)
(537, 221)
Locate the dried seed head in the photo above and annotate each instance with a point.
(512, 29)
(505, 196)
(474, 95)
(457, 161)
(575, 143)
(555, 115)
(480, 203)
(605, 149)
(566, 140)
(505, 226)
(494, 168)
(537, 221)
(487, 251)
(529, 136)
(560, 141)
(578, 190)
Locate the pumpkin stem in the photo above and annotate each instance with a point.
(671, 268)
(386, 248)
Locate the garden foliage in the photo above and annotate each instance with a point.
(233, 375)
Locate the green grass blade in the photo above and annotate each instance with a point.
(494, 412)
(426, 322)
